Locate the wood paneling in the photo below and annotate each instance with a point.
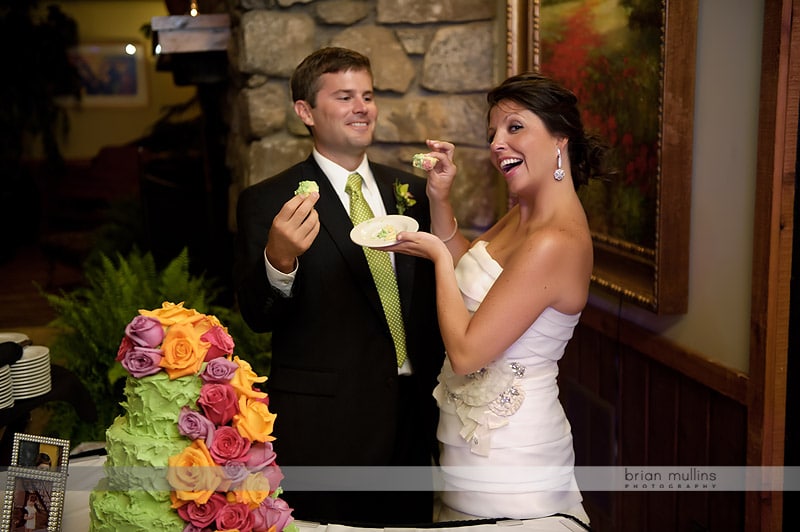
(629, 409)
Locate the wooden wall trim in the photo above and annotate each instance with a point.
(722, 379)
(772, 253)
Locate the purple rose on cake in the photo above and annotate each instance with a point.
(273, 474)
(145, 331)
(219, 370)
(271, 512)
(142, 361)
(260, 456)
(235, 472)
(196, 426)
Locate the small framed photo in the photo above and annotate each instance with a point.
(33, 500)
(40, 452)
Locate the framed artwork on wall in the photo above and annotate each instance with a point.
(631, 64)
(112, 74)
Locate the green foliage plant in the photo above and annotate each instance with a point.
(91, 322)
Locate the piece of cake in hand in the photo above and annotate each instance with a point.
(306, 188)
(423, 161)
(193, 449)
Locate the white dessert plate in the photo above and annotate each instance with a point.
(32, 379)
(15, 337)
(23, 365)
(28, 392)
(381, 231)
(31, 395)
(33, 353)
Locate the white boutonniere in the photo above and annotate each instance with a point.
(404, 199)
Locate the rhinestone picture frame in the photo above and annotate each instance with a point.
(35, 494)
(40, 452)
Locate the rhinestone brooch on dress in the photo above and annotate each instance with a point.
(508, 402)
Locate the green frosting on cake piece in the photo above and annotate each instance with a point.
(306, 187)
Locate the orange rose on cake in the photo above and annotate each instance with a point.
(193, 474)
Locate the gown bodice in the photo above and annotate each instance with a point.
(506, 442)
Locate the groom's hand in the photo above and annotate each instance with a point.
(293, 230)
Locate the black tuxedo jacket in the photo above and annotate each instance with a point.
(333, 381)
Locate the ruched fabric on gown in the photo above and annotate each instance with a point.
(506, 442)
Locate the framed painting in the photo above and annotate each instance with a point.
(33, 500)
(40, 452)
(631, 64)
(112, 74)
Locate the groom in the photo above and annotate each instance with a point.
(346, 393)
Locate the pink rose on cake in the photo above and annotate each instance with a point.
(203, 515)
(229, 445)
(235, 516)
(124, 346)
(220, 343)
(218, 402)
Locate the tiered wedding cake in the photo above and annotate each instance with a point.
(193, 450)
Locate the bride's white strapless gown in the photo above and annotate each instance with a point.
(506, 442)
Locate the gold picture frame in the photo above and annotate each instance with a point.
(653, 275)
(33, 494)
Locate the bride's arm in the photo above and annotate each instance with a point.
(440, 180)
(545, 268)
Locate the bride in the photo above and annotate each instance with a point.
(509, 306)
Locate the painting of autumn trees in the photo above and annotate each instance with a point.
(609, 53)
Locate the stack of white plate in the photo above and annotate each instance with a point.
(30, 375)
(17, 337)
(6, 389)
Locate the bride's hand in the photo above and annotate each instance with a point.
(419, 244)
(443, 173)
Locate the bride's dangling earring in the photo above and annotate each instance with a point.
(558, 175)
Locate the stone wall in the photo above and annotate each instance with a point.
(432, 61)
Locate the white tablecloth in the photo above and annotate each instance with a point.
(84, 473)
